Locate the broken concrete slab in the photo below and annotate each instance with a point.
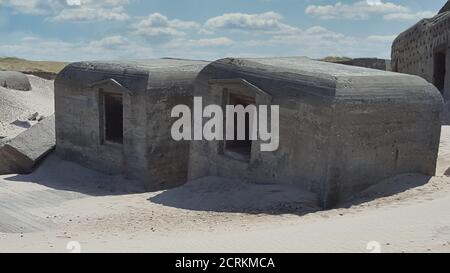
(21, 154)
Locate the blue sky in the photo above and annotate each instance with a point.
(73, 30)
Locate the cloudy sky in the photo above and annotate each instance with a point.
(73, 30)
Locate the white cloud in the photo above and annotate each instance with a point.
(116, 41)
(201, 43)
(317, 42)
(119, 47)
(25, 6)
(157, 25)
(318, 31)
(73, 2)
(72, 10)
(382, 38)
(409, 16)
(268, 22)
(89, 10)
(364, 9)
(107, 48)
(88, 14)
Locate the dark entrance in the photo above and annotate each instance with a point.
(113, 117)
(440, 69)
(242, 147)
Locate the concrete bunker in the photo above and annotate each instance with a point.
(342, 128)
(422, 50)
(14, 80)
(115, 117)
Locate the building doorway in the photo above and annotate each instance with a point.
(241, 147)
(440, 67)
(112, 117)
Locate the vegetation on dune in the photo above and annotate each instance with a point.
(22, 65)
(335, 59)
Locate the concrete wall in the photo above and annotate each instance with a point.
(377, 137)
(304, 124)
(167, 160)
(305, 121)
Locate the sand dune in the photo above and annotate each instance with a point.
(15, 104)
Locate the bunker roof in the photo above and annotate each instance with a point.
(157, 72)
(293, 76)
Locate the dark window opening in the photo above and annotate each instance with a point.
(113, 118)
(241, 147)
(440, 70)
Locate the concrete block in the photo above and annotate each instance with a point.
(21, 154)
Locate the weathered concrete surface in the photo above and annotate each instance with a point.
(374, 63)
(413, 50)
(14, 80)
(342, 128)
(21, 154)
(149, 89)
(423, 49)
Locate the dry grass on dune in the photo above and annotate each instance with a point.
(335, 59)
(22, 65)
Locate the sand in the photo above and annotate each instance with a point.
(19, 105)
(63, 202)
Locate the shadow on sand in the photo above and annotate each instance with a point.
(216, 194)
(227, 195)
(62, 175)
(207, 194)
(388, 187)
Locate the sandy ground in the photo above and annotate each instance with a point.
(63, 202)
(19, 105)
